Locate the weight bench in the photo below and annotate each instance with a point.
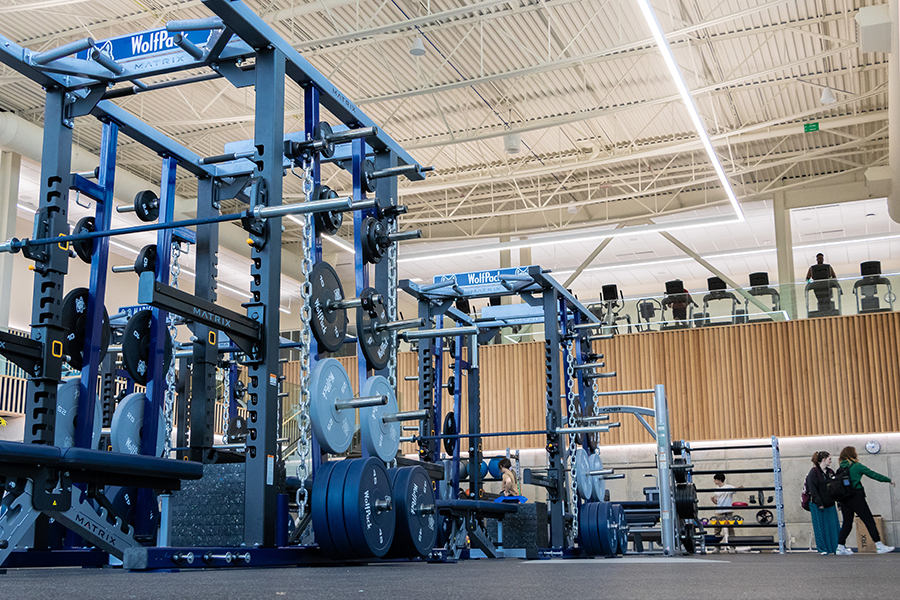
(38, 480)
(470, 513)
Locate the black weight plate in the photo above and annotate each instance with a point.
(331, 220)
(372, 230)
(136, 347)
(321, 131)
(124, 500)
(607, 529)
(370, 530)
(84, 248)
(764, 517)
(74, 323)
(375, 345)
(146, 260)
(367, 181)
(450, 429)
(416, 532)
(319, 502)
(328, 326)
(146, 206)
(623, 528)
(586, 517)
(335, 511)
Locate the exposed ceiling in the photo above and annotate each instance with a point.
(605, 138)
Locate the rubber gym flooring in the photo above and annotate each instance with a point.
(720, 577)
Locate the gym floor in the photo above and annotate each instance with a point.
(732, 577)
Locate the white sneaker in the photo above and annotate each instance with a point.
(843, 551)
(823, 553)
(882, 549)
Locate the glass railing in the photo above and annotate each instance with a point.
(801, 300)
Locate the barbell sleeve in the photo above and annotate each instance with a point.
(429, 334)
(361, 402)
(220, 158)
(584, 429)
(601, 472)
(42, 58)
(590, 366)
(195, 24)
(408, 438)
(398, 325)
(614, 476)
(95, 174)
(411, 378)
(405, 235)
(399, 170)
(339, 204)
(123, 269)
(354, 303)
(351, 134)
(595, 419)
(599, 375)
(605, 336)
(412, 415)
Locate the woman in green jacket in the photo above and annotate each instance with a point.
(856, 503)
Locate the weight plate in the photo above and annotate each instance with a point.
(319, 507)
(146, 260)
(136, 348)
(416, 530)
(607, 529)
(328, 325)
(379, 438)
(84, 248)
(322, 131)
(686, 502)
(328, 384)
(127, 426)
(369, 527)
(124, 500)
(74, 323)
(329, 221)
(450, 429)
(622, 528)
(372, 230)
(67, 416)
(494, 467)
(335, 511)
(765, 517)
(582, 467)
(595, 463)
(586, 517)
(367, 181)
(146, 206)
(375, 344)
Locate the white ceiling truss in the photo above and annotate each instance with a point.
(605, 138)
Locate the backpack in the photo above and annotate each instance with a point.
(839, 487)
(804, 497)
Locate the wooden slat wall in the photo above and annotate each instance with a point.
(837, 375)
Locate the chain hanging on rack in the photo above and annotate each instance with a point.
(392, 305)
(226, 402)
(302, 416)
(571, 399)
(169, 399)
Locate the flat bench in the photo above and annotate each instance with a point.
(39, 480)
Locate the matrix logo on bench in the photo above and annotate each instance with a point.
(211, 317)
(95, 529)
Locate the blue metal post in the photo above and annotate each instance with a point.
(97, 297)
(360, 268)
(156, 375)
(457, 408)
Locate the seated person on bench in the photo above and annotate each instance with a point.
(509, 486)
(820, 260)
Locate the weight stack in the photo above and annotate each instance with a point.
(525, 528)
(210, 511)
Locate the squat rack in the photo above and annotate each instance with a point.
(81, 79)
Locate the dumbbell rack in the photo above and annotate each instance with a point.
(776, 488)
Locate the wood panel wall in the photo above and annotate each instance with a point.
(836, 375)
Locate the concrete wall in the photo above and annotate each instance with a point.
(639, 459)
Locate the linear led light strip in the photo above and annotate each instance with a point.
(666, 51)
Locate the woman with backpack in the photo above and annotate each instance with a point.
(853, 500)
(821, 505)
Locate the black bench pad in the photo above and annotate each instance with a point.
(19, 453)
(134, 465)
(482, 506)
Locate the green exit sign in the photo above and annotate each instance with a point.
(807, 127)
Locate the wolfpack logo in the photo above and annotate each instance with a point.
(156, 41)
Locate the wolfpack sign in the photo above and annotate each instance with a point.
(137, 45)
(486, 282)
